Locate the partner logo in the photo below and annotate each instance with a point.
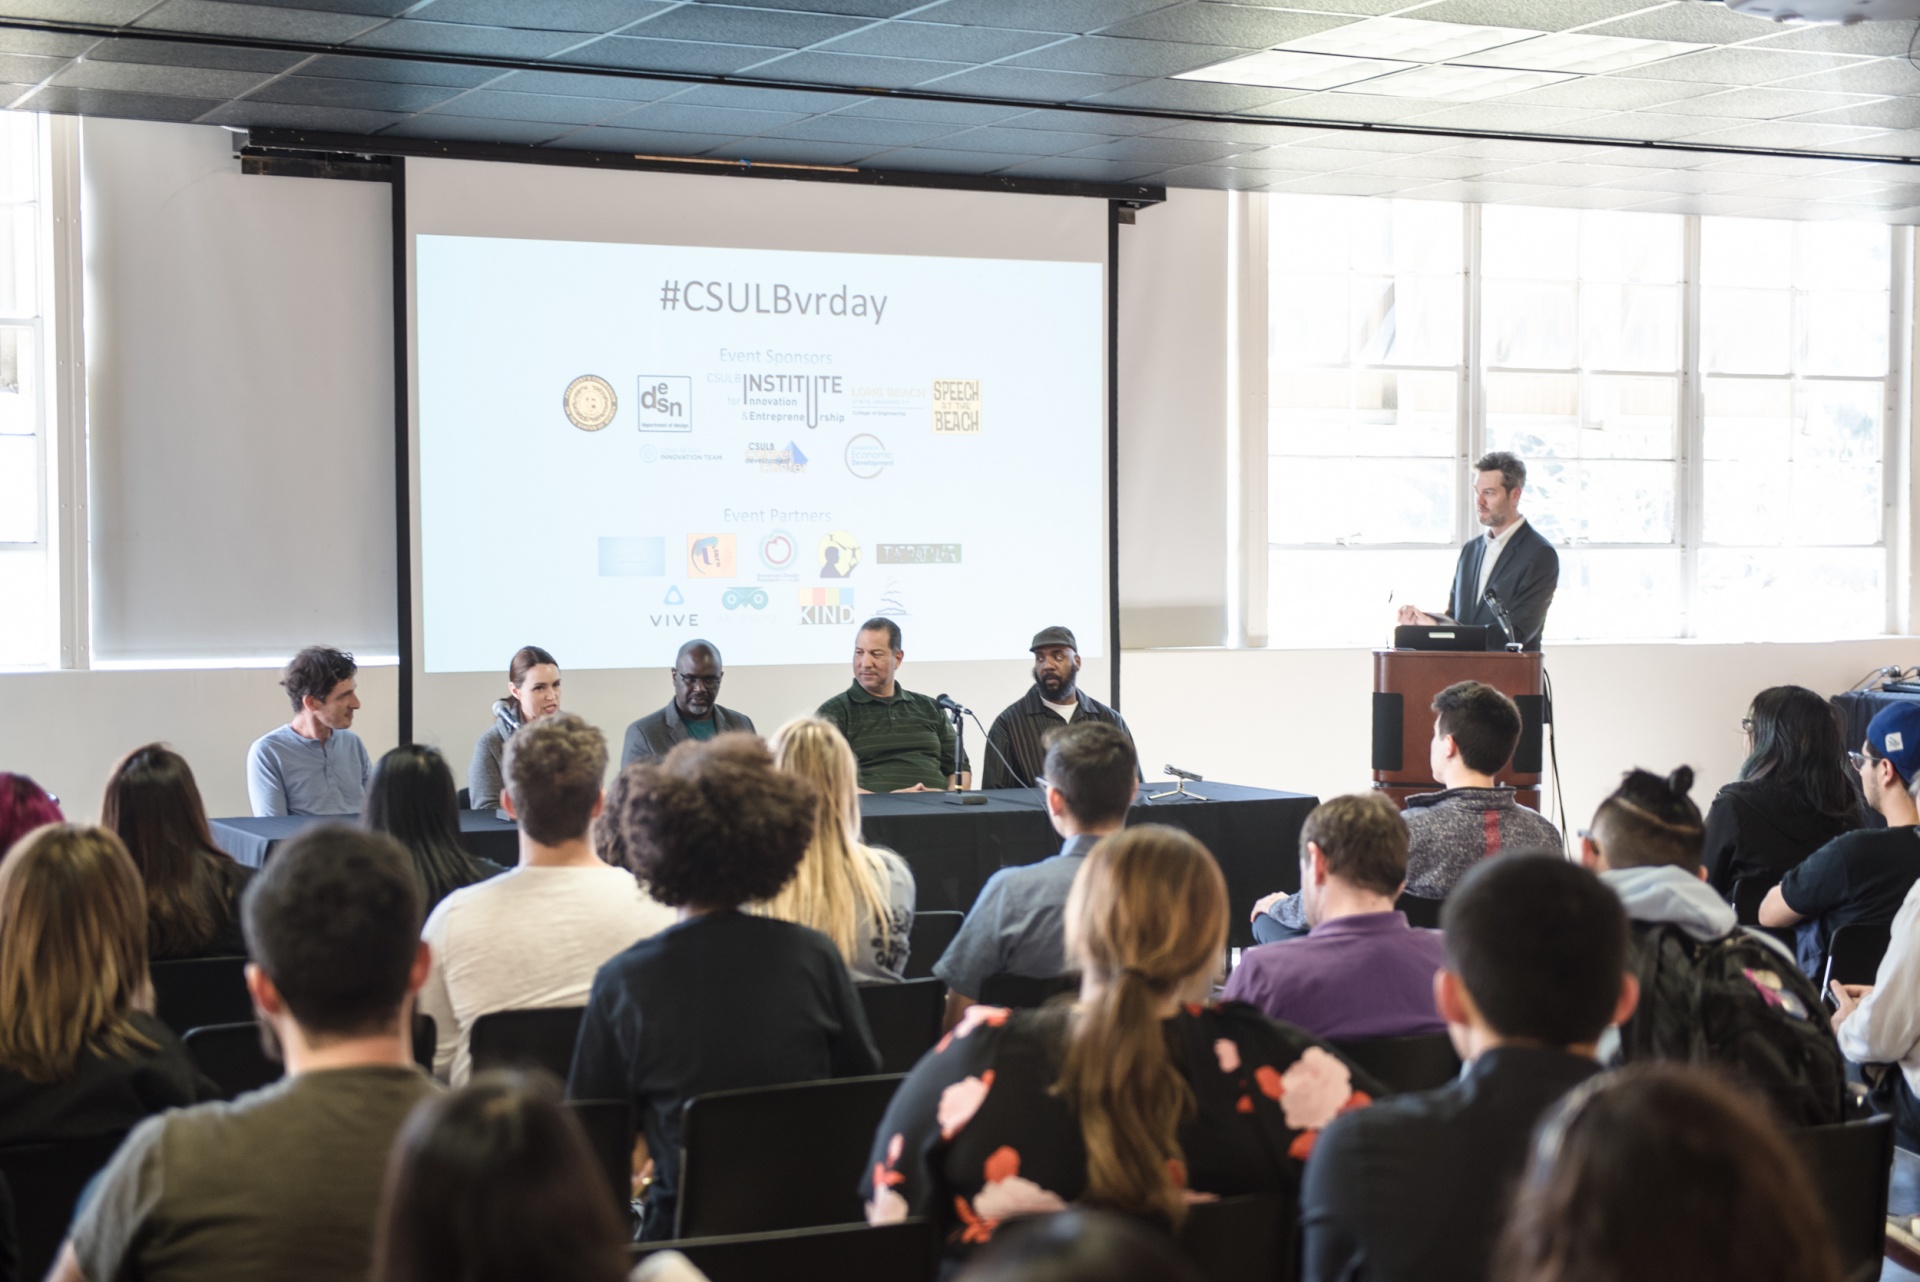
(665, 403)
(826, 605)
(778, 550)
(839, 554)
(867, 456)
(710, 556)
(956, 407)
(916, 553)
(633, 558)
(590, 403)
(747, 598)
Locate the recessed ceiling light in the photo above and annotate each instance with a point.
(1457, 84)
(1279, 69)
(1580, 54)
(1408, 39)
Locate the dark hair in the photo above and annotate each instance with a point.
(495, 1182)
(1649, 821)
(154, 806)
(525, 660)
(1797, 750)
(315, 671)
(411, 798)
(1484, 723)
(24, 806)
(1513, 473)
(552, 770)
(887, 626)
(1079, 1246)
(334, 921)
(714, 824)
(609, 839)
(1541, 945)
(1661, 1171)
(1364, 839)
(1093, 765)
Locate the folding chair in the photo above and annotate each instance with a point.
(928, 940)
(1404, 1064)
(608, 1124)
(526, 1039)
(904, 1252)
(1852, 1165)
(233, 1057)
(196, 992)
(46, 1181)
(904, 1019)
(1022, 992)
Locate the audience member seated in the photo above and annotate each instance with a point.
(1878, 1025)
(1361, 971)
(723, 999)
(694, 713)
(313, 765)
(1416, 1186)
(902, 740)
(412, 800)
(533, 692)
(1079, 1246)
(1017, 741)
(1134, 1098)
(534, 937)
(1018, 922)
(24, 806)
(1860, 876)
(284, 1182)
(80, 1050)
(1792, 797)
(1660, 1173)
(1711, 991)
(192, 886)
(496, 1183)
(859, 896)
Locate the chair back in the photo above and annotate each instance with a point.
(928, 939)
(1851, 1165)
(195, 992)
(46, 1181)
(1422, 913)
(233, 1057)
(1022, 992)
(426, 1037)
(1241, 1239)
(1404, 1064)
(1854, 953)
(608, 1124)
(526, 1039)
(1748, 892)
(904, 1019)
(904, 1252)
(464, 799)
(778, 1157)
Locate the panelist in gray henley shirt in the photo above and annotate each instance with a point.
(313, 765)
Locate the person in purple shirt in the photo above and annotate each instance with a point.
(1361, 971)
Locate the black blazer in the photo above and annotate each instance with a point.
(1523, 578)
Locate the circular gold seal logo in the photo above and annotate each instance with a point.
(590, 402)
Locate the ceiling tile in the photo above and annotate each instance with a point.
(1506, 119)
(1320, 159)
(861, 129)
(1244, 133)
(1880, 76)
(1074, 16)
(1110, 56)
(1105, 122)
(1360, 108)
(1783, 134)
(678, 117)
(944, 42)
(250, 111)
(1073, 169)
(850, 8)
(443, 128)
(134, 77)
(1032, 142)
(1650, 126)
(1431, 168)
(107, 102)
(366, 8)
(217, 57)
(1554, 174)
(820, 67)
(107, 13)
(1340, 185)
(746, 98)
(1163, 151)
(1206, 176)
(1880, 39)
(458, 38)
(953, 113)
(596, 16)
(1369, 140)
(916, 159)
(724, 25)
(643, 141)
(1764, 104)
(1231, 25)
(17, 69)
(1561, 15)
(1746, 66)
(405, 73)
(1193, 95)
(1359, 8)
(1896, 143)
(1617, 93)
(1686, 182)
(56, 44)
(641, 54)
(535, 107)
(1888, 113)
(210, 18)
(361, 95)
(794, 151)
(1706, 23)
(1029, 84)
(1782, 166)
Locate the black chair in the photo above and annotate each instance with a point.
(426, 1036)
(1405, 1064)
(1748, 892)
(526, 1039)
(463, 799)
(197, 992)
(608, 1124)
(1851, 1165)
(778, 1157)
(233, 1057)
(46, 1181)
(904, 1019)
(904, 1252)
(1854, 953)
(931, 933)
(1422, 914)
(1241, 1239)
(1022, 992)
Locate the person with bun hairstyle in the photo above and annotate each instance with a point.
(193, 887)
(533, 692)
(1136, 1096)
(1711, 990)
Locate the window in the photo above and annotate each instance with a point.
(28, 583)
(1407, 338)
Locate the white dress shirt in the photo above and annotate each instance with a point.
(1885, 1028)
(1496, 544)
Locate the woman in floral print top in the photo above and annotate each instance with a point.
(1134, 1097)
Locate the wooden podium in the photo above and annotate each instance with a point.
(1404, 684)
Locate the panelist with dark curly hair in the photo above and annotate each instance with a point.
(722, 999)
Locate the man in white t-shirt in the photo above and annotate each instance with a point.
(533, 937)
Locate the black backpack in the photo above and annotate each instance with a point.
(1736, 1003)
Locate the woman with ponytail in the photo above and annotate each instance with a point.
(1136, 1097)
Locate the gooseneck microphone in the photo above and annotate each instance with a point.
(1492, 598)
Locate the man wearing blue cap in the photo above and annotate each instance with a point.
(1861, 876)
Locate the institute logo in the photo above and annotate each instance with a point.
(778, 551)
(839, 555)
(956, 407)
(710, 556)
(826, 605)
(867, 456)
(665, 403)
(744, 598)
(590, 403)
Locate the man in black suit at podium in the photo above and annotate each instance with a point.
(1512, 559)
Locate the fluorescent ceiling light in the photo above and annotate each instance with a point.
(1582, 55)
(1408, 39)
(1279, 69)
(1456, 84)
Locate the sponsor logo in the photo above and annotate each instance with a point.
(956, 407)
(839, 555)
(916, 553)
(710, 556)
(633, 558)
(648, 454)
(867, 456)
(666, 403)
(826, 605)
(775, 458)
(790, 398)
(673, 597)
(590, 403)
(777, 550)
(750, 598)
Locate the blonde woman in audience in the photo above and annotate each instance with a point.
(192, 886)
(1136, 1097)
(859, 896)
(80, 1050)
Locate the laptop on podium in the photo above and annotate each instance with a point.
(1441, 636)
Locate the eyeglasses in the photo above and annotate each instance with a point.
(1859, 760)
(705, 683)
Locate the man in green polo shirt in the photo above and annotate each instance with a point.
(902, 739)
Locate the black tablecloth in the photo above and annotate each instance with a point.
(1857, 707)
(953, 849)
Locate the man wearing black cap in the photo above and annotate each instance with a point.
(1055, 700)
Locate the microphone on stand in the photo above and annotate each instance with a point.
(953, 709)
(1506, 620)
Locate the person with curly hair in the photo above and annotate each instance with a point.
(723, 999)
(315, 764)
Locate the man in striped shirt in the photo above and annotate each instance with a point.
(1019, 734)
